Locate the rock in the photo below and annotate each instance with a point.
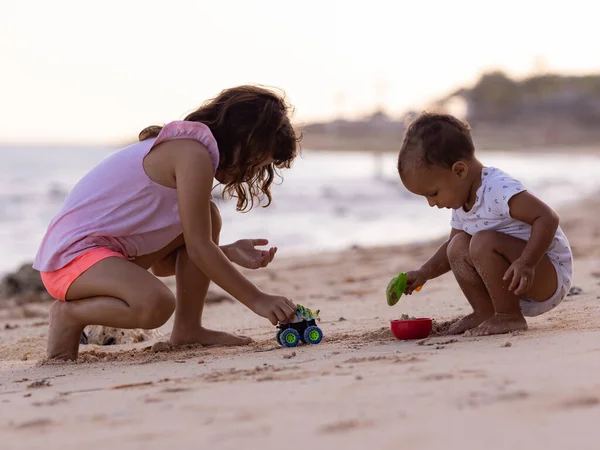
(110, 340)
(575, 290)
(162, 347)
(100, 335)
(32, 297)
(25, 282)
(289, 356)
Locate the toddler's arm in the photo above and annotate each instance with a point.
(527, 208)
(435, 266)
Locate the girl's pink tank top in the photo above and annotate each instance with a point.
(117, 206)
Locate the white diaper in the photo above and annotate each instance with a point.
(531, 308)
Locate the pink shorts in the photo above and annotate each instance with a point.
(59, 281)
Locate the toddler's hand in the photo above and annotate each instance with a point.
(274, 307)
(521, 276)
(414, 280)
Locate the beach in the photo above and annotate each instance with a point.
(360, 387)
(271, 84)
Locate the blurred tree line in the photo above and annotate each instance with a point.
(498, 98)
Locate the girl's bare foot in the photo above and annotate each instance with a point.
(499, 324)
(63, 333)
(468, 322)
(204, 336)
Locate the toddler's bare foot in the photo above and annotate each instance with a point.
(63, 333)
(208, 337)
(499, 324)
(468, 322)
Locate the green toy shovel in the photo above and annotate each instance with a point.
(396, 288)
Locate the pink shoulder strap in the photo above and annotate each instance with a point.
(181, 129)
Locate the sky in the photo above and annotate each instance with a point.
(93, 72)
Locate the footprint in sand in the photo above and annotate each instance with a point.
(474, 373)
(173, 390)
(405, 358)
(39, 384)
(131, 385)
(35, 423)
(344, 426)
(585, 401)
(51, 402)
(438, 377)
(477, 399)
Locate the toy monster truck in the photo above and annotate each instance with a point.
(303, 328)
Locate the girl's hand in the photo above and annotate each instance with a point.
(243, 253)
(274, 307)
(415, 279)
(521, 275)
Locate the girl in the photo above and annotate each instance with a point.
(506, 250)
(149, 206)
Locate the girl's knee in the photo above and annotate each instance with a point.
(458, 247)
(482, 243)
(159, 305)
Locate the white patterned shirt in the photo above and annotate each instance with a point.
(491, 212)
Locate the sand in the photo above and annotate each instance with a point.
(359, 388)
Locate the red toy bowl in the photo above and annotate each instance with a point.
(411, 329)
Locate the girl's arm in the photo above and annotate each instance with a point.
(193, 172)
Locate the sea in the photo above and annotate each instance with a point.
(327, 201)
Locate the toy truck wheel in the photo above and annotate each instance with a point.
(278, 337)
(313, 335)
(289, 338)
